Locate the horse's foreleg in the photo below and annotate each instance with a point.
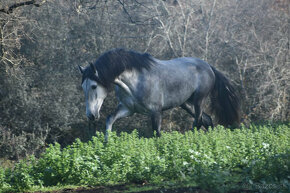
(156, 118)
(120, 112)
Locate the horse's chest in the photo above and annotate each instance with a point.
(130, 102)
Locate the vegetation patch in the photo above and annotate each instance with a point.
(220, 160)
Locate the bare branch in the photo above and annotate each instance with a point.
(126, 11)
(11, 8)
(207, 31)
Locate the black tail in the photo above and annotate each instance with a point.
(225, 103)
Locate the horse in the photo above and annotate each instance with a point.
(146, 85)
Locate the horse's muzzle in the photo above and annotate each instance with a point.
(91, 117)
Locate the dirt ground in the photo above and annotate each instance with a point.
(124, 188)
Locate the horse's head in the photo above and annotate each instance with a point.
(95, 93)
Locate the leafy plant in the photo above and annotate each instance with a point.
(254, 158)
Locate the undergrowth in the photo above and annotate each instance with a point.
(220, 160)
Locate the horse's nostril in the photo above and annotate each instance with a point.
(91, 117)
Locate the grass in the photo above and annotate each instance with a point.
(220, 160)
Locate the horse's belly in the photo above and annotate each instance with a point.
(177, 91)
(175, 100)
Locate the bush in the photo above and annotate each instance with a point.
(255, 158)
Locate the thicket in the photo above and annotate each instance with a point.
(43, 41)
(220, 160)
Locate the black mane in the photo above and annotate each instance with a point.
(112, 63)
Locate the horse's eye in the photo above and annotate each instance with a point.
(94, 87)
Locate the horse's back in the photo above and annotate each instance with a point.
(179, 78)
(193, 71)
(185, 62)
(167, 84)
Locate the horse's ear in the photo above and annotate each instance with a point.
(81, 69)
(94, 69)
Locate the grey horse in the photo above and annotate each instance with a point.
(146, 85)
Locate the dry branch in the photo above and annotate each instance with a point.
(11, 8)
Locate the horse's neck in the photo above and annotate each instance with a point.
(127, 80)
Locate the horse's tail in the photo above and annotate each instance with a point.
(225, 103)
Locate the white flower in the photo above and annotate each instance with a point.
(197, 153)
(194, 152)
(265, 145)
(185, 163)
(206, 156)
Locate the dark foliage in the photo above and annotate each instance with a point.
(41, 101)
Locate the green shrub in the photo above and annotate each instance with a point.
(254, 158)
(2, 178)
(20, 178)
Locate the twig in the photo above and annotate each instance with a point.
(11, 8)
(208, 28)
(125, 10)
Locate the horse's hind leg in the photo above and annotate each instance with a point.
(197, 121)
(120, 112)
(156, 118)
(206, 121)
(205, 118)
